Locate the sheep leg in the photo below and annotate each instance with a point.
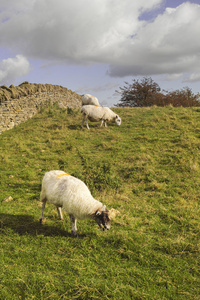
(60, 213)
(104, 123)
(73, 225)
(43, 207)
(86, 122)
(83, 122)
(101, 122)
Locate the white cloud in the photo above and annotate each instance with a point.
(106, 31)
(193, 77)
(174, 76)
(12, 68)
(78, 31)
(168, 45)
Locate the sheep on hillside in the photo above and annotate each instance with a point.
(88, 99)
(98, 113)
(71, 194)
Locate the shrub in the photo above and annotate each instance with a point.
(148, 93)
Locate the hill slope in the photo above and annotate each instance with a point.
(148, 169)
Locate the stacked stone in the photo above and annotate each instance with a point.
(18, 104)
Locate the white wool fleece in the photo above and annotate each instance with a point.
(70, 193)
(98, 113)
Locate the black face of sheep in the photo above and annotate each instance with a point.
(118, 120)
(102, 219)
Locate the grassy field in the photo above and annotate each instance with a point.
(148, 169)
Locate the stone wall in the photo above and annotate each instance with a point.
(17, 104)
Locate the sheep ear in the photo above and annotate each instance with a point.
(98, 213)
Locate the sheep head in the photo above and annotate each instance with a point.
(102, 218)
(117, 120)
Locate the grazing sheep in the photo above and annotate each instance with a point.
(88, 99)
(98, 113)
(71, 194)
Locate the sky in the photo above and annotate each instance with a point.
(95, 46)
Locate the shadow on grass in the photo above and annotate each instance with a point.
(92, 126)
(74, 127)
(26, 224)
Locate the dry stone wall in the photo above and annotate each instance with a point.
(19, 103)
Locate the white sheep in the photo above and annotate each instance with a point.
(71, 194)
(88, 99)
(98, 113)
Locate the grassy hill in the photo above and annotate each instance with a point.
(148, 169)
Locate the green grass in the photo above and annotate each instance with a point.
(148, 169)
